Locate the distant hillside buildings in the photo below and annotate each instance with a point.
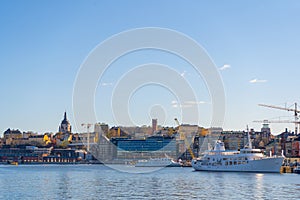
(132, 143)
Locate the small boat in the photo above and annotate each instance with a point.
(14, 163)
(297, 170)
(158, 162)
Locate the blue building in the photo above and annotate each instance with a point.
(154, 146)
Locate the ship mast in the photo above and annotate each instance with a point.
(249, 139)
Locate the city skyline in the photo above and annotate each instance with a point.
(254, 46)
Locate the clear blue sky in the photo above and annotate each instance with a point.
(43, 43)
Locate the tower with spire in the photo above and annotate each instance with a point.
(65, 126)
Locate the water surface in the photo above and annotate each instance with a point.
(101, 182)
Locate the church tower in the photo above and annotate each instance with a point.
(65, 126)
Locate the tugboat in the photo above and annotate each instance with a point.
(244, 160)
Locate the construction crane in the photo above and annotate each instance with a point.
(277, 121)
(295, 110)
(182, 136)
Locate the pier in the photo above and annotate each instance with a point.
(289, 165)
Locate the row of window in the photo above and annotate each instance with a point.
(236, 162)
(239, 158)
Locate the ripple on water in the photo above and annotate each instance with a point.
(99, 182)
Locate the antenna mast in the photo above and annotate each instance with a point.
(249, 139)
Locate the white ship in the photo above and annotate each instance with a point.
(157, 162)
(244, 160)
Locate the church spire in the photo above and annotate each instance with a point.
(65, 126)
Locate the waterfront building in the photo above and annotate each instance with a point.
(153, 146)
(189, 131)
(206, 138)
(288, 142)
(102, 149)
(266, 134)
(117, 131)
(10, 135)
(32, 154)
(261, 138)
(65, 126)
(129, 131)
(274, 147)
(167, 131)
(36, 140)
(287, 147)
(296, 147)
(90, 145)
(285, 141)
(61, 156)
(16, 137)
(234, 140)
(32, 140)
(28, 134)
(8, 155)
(187, 134)
(75, 138)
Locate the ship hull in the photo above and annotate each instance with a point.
(266, 165)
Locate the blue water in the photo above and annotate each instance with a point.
(100, 182)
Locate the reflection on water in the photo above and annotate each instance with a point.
(100, 182)
(259, 187)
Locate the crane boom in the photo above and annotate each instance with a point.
(280, 108)
(295, 110)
